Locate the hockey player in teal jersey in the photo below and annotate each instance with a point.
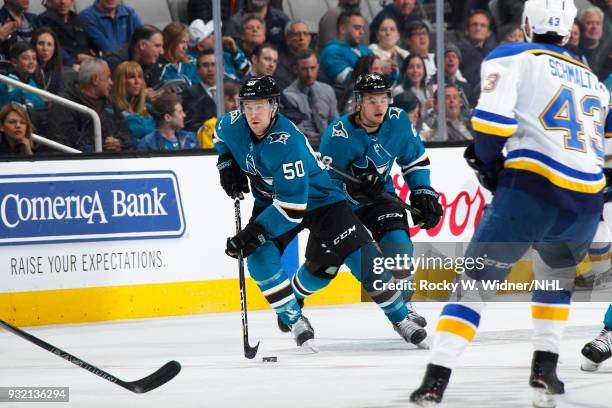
(293, 191)
(366, 144)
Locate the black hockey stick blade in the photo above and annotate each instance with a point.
(167, 372)
(158, 378)
(250, 352)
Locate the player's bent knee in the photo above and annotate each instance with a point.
(322, 271)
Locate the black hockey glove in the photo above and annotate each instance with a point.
(246, 241)
(233, 179)
(425, 199)
(487, 174)
(367, 190)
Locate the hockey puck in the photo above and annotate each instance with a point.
(269, 359)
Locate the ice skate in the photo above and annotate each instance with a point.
(414, 316)
(597, 351)
(282, 326)
(432, 388)
(544, 380)
(411, 332)
(303, 333)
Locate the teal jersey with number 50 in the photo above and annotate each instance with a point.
(285, 174)
(551, 111)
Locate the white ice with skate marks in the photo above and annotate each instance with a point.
(362, 362)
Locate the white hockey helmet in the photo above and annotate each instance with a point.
(549, 16)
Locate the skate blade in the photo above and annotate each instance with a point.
(424, 403)
(310, 344)
(588, 365)
(425, 345)
(542, 399)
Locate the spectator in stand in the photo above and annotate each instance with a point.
(169, 121)
(339, 56)
(70, 31)
(274, 20)
(458, 126)
(418, 42)
(386, 48)
(252, 33)
(16, 24)
(202, 38)
(328, 23)
(129, 93)
(606, 7)
(475, 47)
(298, 39)
(512, 33)
(176, 61)
(264, 61)
(573, 44)
(49, 56)
(315, 100)
(15, 130)
(593, 45)
(24, 68)
(403, 12)
(145, 48)
(199, 99)
(109, 24)
(414, 72)
(75, 129)
(452, 59)
(409, 102)
(367, 64)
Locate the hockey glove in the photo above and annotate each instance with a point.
(246, 241)
(487, 174)
(233, 179)
(367, 190)
(425, 199)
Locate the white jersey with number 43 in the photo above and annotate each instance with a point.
(553, 109)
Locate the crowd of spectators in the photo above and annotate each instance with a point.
(154, 87)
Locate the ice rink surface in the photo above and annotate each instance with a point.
(362, 362)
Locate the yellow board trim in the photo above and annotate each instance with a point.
(549, 312)
(556, 180)
(456, 327)
(152, 300)
(492, 130)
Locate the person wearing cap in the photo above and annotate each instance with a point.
(417, 42)
(297, 40)
(202, 37)
(452, 75)
(403, 12)
(476, 45)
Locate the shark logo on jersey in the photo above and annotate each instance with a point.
(279, 137)
(339, 131)
(234, 115)
(250, 164)
(377, 160)
(256, 177)
(394, 112)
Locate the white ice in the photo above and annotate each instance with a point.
(362, 362)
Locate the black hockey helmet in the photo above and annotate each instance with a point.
(371, 83)
(259, 88)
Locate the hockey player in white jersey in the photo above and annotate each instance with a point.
(547, 110)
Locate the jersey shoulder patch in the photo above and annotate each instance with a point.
(394, 112)
(338, 130)
(278, 137)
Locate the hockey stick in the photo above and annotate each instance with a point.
(167, 372)
(249, 352)
(386, 195)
